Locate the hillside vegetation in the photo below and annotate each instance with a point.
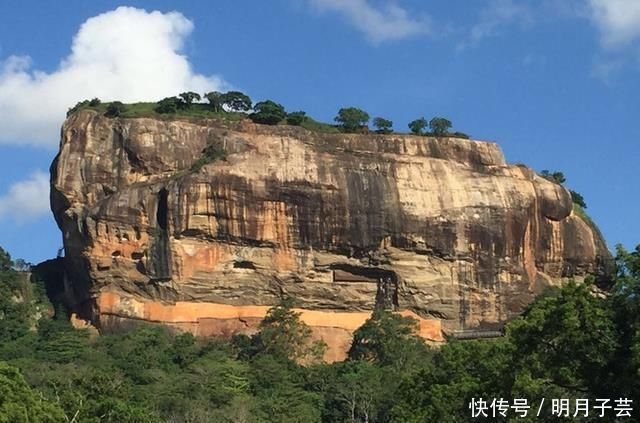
(235, 105)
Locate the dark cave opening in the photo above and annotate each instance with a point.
(243, 264)
(162, 215)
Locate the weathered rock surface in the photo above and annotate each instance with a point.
(441, 229)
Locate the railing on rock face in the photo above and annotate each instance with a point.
(476, 334)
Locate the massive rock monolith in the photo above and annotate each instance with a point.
(440, 229)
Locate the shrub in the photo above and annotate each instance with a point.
(578, 199)
(79, 105)
(210, 154)
(461, 135)
(114, 109)
(170, 105)
(555, 177)
(296, 118)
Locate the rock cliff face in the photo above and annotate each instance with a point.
(440, 229)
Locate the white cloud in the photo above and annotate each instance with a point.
(388, 23)
(617, 20)
(26, 200)
(498, 14)
(126, 54)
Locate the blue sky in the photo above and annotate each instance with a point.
(554, 82)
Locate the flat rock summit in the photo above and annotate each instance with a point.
(441, 229)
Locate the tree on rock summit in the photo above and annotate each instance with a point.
(383, 126)
(439, 126)
(268, 112)
(189, 97)
(236, 101)
(417, 126)
(352, 119)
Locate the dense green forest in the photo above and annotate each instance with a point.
(573, 343)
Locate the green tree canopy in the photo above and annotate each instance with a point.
(357, 392)
(190, 97)
(387, 338)
(268, 112)
(417, 126)
(439, 126)
(624, 301)
(382, 125)
(283, 334)
(236, 101)
(20, 404)
(21, 301)
(170, 105)
(215, 99)
(352, 119)
(572, 342)
(440, 390)
(563, 344)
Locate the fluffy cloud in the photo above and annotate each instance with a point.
(127, 54)
(26, 200)
(617, 20)
(498, 14)
(387, 23)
